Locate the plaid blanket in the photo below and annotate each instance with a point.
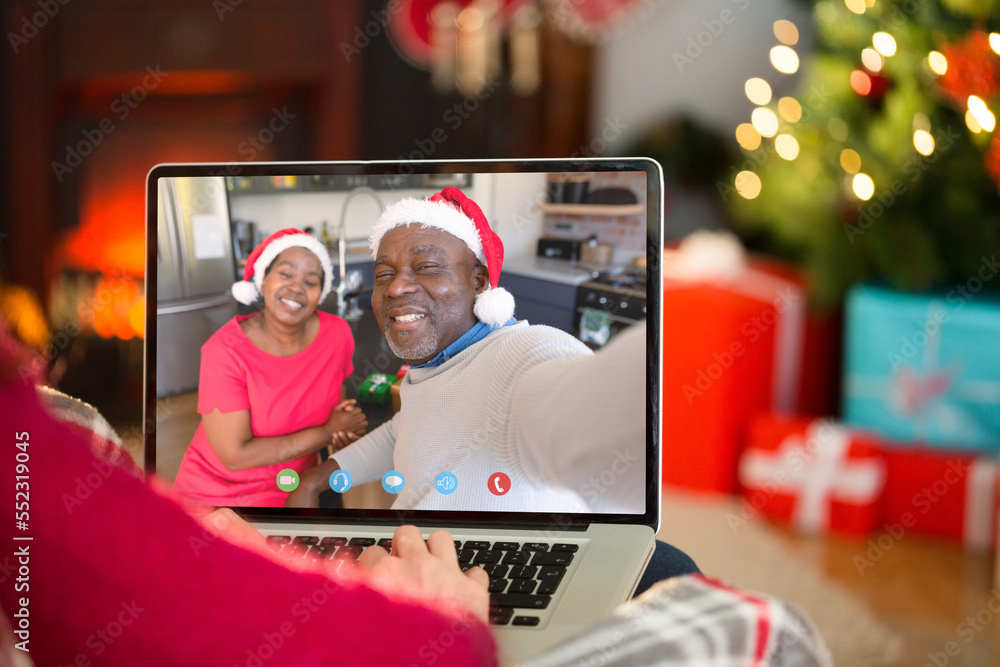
(694, 620)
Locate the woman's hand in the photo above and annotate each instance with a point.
(427, 571)
(346, 424)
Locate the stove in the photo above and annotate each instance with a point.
(621, 295)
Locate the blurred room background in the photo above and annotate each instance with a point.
(841, 151)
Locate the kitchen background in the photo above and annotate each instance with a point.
(849, 143)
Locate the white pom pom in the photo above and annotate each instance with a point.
(494, 306)
(245, 292)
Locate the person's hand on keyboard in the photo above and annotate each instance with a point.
(230, 526)
(427, 570)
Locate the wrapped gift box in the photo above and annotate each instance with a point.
(394, 388)
(942, 493)
(924, 368)
(375, 388)
(731, 348)
(813, 475)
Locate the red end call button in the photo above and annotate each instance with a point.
(498, 484)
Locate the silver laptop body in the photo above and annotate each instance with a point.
(610, 551)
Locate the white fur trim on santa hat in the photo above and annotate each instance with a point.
(494, 306)
(246, 292)
(441, 215)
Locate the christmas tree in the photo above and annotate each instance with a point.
(885, 164)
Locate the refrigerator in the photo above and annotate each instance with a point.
(195, 270)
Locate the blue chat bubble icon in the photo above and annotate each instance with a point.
(393, 481)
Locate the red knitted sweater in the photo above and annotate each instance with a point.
(115, 573)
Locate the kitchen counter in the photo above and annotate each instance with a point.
(561, 271)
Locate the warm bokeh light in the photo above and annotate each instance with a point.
(850, 161)
(758, 91)
(137, 318)
(871, 59)
(861, 82)
(923, 142)
(784, 59)
(790, 109)
(972, 123)
(23, 313)
(764, 121)
(856, 6)
(884, 43)
(995, 42)
(937, 62)
(115, 305)
(837, 129)
(747, 136)
(786, 146)
(863, 186)
(786, 32)
(747, 184)
(982, 113)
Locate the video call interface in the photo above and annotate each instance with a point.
(575, 250)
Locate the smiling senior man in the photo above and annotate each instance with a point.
(486, 393)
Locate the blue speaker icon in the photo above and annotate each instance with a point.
(446, 483)
(340, 481)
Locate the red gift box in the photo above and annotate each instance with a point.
(814, 475)
(731, 349)
(943, 494)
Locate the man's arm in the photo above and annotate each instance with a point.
(582, 421)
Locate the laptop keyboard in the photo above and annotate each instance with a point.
(523, 575)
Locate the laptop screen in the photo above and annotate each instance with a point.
(256, 384)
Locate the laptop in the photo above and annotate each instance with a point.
(554, 570)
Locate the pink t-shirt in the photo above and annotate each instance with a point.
(283, 395)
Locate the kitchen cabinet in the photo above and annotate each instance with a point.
(542, 301)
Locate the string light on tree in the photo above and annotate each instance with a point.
(790, 109)
(748, 137)
(984, 117)
(995, 42)
(747, 184)
(923, 141)
(884, 44)
(786, 146)
(784, 59)
(863, 186)
(850, 161)
(937, 62)
(861, 82)
(764, 121)
(871, 59)
(758, 91)
(786, 32)
(856, 6)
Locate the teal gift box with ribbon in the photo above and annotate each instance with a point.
(375, 388)
(925, 368)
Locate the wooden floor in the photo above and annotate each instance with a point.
(936, 596)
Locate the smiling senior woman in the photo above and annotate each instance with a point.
(271, 388)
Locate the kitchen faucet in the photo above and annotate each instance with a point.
(342, 243)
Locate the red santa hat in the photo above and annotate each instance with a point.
(247, 290)
(451, 211)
